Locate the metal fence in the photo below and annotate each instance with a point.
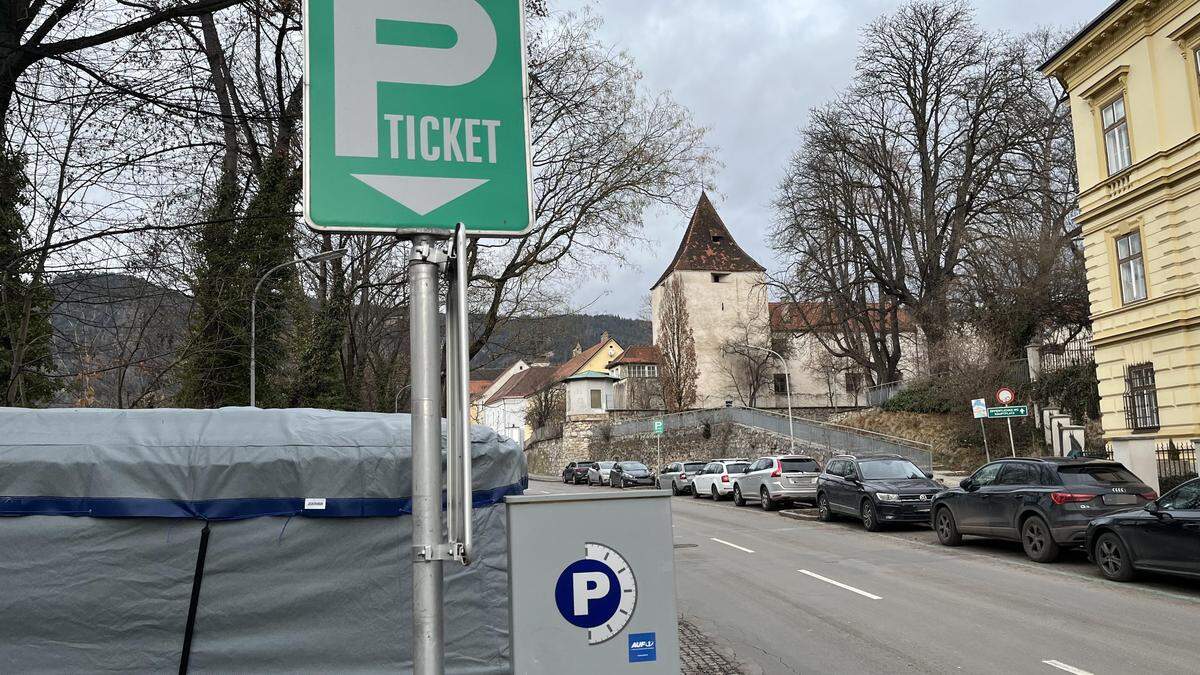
(880, 393)
(1073, 354)
(821, 438)
(1104, 452)
(1176, 464)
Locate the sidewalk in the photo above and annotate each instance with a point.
(697, 655)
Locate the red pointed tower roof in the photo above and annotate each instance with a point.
(708, 246)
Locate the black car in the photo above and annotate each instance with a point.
(630, 474)
(1045, 503)
(1163, 536)
(876, 489)
(576, 472)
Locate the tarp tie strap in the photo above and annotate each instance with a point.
(197, 578)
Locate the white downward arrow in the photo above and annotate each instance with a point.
(422, 194)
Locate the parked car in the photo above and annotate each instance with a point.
(1163, 536)
(877, 490)
(773, 481)
(678, 476)
(598, 473)
(576, 472)
(1045, 503)
(630, 474)
(716, 478)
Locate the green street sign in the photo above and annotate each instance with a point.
(415, 117)
(658, 426)
(1009, 411)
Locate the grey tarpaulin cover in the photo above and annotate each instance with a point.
(101, 513)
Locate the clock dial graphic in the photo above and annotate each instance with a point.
(597, 592)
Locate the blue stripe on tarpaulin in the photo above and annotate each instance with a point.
(229, 509)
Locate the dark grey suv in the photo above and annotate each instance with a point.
(1045, 503)
(877, 489)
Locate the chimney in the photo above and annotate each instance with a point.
(604, 337)
(577, 350)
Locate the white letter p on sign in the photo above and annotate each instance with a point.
(359, 63)
(587, 586)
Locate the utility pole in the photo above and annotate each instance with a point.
(424, 330)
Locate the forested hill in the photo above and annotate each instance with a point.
(526, 338)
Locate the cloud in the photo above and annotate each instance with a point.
(750, 70)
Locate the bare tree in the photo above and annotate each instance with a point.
(603, 151)
(547, 407)
(678, 369)
(747, 369)
(926, 127)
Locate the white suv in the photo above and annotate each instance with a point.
(716, 479)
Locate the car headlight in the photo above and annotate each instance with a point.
(887, 497)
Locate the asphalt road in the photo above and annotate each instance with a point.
(789, 596)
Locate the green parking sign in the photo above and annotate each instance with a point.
(658, 426)
(416, 117)
(1008, 411)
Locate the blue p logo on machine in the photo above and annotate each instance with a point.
(597, 592)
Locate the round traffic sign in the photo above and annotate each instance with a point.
(1005, 395)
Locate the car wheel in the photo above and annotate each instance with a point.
(737, 496)
(674, 489)
(824, 514)
(869, 517)
(947, 529)
(716, 495)
(1112, 557)
(764, 500)
(695, 492)
(1037, 541)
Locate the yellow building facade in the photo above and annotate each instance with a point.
(1133, 77)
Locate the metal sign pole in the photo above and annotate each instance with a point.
(1011, 443)
(428, 636)
(983, 430)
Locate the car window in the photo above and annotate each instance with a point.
(606, 465)
(1090, 474)
(713, 468)
(883, 469)
(627, 466)
(1019, 473)
(798, 465)
(986, 475)
(1186, 497)
(693, 467)
(834, 468)
(737, 467)
(760, 465)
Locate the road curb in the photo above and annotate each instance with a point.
(799, 514)
(544, 479)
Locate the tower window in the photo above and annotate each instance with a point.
(718, 277)
(718, 238)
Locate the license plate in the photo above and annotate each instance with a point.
(1119, 500)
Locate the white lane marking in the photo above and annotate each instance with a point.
(1062, 666)
(841, 585)
(740, 548)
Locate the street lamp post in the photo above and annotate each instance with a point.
(319, 257)
(399, 393)
(787, 383)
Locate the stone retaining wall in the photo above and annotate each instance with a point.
(591, 441)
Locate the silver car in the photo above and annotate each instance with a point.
(598, 474)
(782, 479)
(678, 476)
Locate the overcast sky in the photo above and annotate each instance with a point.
(750, 70)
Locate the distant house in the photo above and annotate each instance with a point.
(636, 385)
(504, 409)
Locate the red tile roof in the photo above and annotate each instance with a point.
(576, 362)
(708, 245)
(524, 383)
(477, 387)
(638, 354)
